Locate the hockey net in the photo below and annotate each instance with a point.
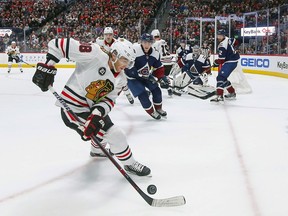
(239, 81)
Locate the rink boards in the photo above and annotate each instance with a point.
(273, 65)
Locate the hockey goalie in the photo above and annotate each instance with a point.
(190, 75)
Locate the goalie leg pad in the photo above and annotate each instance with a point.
(182, 81)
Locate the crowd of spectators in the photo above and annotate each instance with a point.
(26, 15)
(182, 9)
(85, 20)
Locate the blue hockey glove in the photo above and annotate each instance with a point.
(164, 82)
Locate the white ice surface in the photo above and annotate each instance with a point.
(227, 160)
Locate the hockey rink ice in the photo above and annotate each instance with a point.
(227, 160)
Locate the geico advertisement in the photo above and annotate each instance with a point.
(31, 58)
(265, 63)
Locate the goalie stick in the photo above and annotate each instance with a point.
(168, 202)
(205, 94)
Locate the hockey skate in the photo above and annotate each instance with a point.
(97, 152)
(155, 115)
(137, 169)
(21, 70)
(230, 96)
(130, 98)
(161, 112)
(170, 92)
(218, 99)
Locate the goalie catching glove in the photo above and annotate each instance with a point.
(44, 76)
(164, 82)
(93, 124)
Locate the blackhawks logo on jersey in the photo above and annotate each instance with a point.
(99, 89)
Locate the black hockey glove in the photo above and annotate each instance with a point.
(93, 125)
(164, 82)
(17, 58)
(44, 76)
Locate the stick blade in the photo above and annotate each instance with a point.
(169, 202)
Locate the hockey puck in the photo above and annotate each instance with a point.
(151, 189)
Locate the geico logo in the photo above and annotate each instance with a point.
(253, 62)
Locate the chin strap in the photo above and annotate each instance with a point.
(113, 63)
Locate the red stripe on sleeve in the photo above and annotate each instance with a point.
(71, 116)
(62, 46)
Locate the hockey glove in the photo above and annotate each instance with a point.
(17, 58)
(204, 78)
(217, 62)
(44, 76)
(93, 124)
(164, 82)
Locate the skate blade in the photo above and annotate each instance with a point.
(133, 175)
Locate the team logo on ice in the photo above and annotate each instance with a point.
(99, 89)
(102, 71)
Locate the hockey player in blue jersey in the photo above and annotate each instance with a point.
(227, 60)
(197, 66)
(146, 73)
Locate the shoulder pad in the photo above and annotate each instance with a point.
(201, 58)
(189, 57)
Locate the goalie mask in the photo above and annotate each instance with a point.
(196, 52)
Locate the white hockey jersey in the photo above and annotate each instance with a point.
(92, 84)
(12, 51)
(162, 47)
(102, 43)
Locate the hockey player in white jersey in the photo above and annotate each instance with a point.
(165, 57)
(108, 39)
(90, 92)
(13, 53)
(106, 43)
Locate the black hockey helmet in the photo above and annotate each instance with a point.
(221, 32)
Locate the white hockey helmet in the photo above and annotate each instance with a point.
(108, 30)
(155, 33)
(13, 42)
(123, 48)
(196, 51)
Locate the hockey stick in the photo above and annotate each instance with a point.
(168, 202)
(27, 63)
(208, 94)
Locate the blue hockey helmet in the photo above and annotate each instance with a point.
(146, 37)
(221, 32)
